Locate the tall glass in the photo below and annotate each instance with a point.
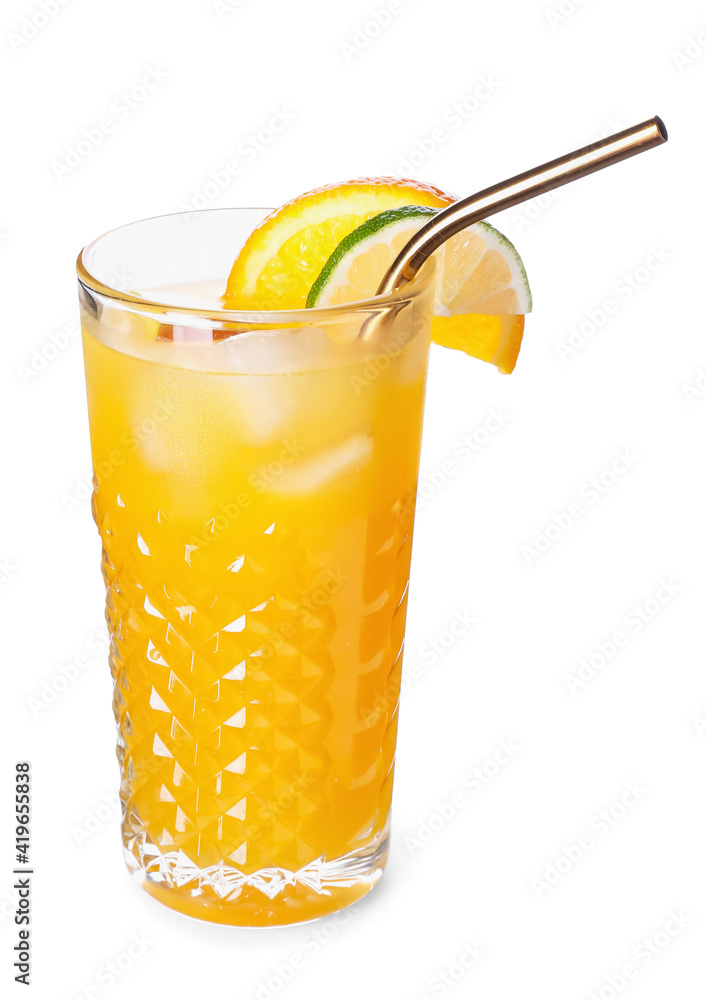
(254, 486)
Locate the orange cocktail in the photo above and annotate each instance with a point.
(255, 477)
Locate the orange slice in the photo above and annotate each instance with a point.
(283, 256)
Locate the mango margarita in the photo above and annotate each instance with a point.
(256, 450)
(256, 527)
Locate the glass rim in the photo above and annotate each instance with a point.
(305, 316)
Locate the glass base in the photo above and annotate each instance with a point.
(269, 897)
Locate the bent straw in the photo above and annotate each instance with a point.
(530, 184)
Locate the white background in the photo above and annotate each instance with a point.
(361, 105)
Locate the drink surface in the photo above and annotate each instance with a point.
(255, 503)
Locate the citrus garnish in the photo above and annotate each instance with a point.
(482, 291)
(283, 256)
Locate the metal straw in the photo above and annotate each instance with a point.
(530, 184)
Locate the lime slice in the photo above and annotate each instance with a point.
(479, 270)
(482, 291)
(348, 273)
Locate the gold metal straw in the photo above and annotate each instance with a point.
(512, 192)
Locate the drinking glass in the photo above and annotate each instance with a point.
(254, 485)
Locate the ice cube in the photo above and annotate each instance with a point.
(311, 473)
(277, 352)
(192, 334)
(263, 393)
(411, 363)
(259, 408)
(153, 443)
